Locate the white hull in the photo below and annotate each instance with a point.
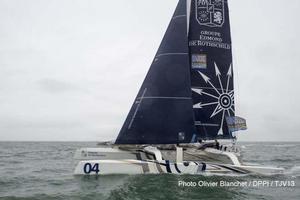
(150, 160)
(106, 167)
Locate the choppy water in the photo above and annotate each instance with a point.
(44, 171)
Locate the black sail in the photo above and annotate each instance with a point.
(162, 112)
(211, 67)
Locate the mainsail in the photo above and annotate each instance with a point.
(211, 67)
(163, 109)
(188, 91)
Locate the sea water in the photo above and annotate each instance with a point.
(43, 170)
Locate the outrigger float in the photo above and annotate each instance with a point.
(185, 104)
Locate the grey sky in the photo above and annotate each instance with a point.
(70, 70)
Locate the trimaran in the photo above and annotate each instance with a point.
(185, 104)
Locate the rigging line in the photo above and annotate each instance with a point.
(137, 108)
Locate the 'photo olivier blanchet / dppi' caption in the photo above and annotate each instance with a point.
(254, 183)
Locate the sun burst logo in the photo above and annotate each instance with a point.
(224, 98)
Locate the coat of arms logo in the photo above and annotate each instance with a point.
(210, 12)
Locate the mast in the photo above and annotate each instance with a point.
(188, 14)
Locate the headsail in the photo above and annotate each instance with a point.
(211, 67)
(163, 109)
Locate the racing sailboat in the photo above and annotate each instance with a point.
(185, 102)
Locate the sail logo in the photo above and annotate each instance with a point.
(210, 12)
(199, 61)
(223, 98)
(236, 123)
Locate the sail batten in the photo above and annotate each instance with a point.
(171, 54)
(179, 16)
(177, 98)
